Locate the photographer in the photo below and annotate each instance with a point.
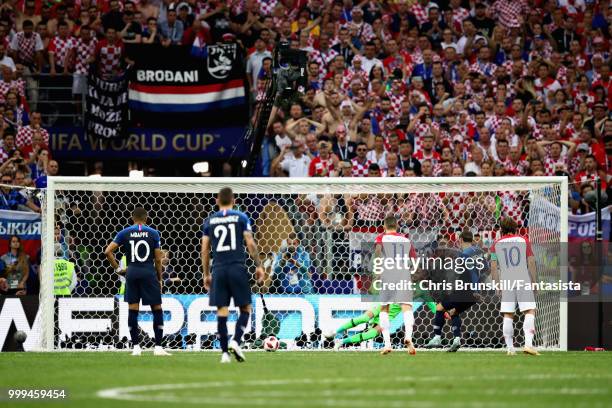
(292, 268)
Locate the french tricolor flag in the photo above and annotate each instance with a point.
(186, 98)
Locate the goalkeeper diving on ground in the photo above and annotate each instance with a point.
(371, 318)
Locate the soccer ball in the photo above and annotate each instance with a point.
(271, 343)
(20, 336)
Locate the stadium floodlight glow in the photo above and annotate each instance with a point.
(200, 167)
(136, 174)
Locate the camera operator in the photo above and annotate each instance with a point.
(292, 268)
(290, 75)
(290, 78)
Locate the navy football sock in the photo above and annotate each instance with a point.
(222, 329)
(158, 326)
(133, 326)
(241, 324)
(438, 323)
(456, 322)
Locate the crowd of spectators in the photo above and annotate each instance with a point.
(394, 88)
(440, 89)
(437, 88)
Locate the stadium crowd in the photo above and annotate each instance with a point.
(394, 88)
(444, 89)
(406, 87)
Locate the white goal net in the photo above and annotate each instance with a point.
(322, 223)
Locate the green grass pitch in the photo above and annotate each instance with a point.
(317, 379)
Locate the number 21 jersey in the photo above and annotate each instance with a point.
(226, 231)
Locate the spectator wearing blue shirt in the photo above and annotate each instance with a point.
(38, 164)
(424, 70)
(8, 146)
(52, 170)
(171, 29)
(10, 198)
(292, 268)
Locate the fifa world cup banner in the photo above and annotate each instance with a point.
(106, 111)
(214, 142)
(169, 86)
(584, 227)
(26, 225)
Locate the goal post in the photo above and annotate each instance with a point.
(321, 222)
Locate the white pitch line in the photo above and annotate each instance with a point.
(411, 392)
(309, 400)
(252, 398)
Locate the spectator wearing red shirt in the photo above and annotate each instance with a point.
(25, 133)
(397, 59)
(324, 55)
(325, 163)
(516, 166)
(590, 173)
(555, 159)
(360, 163)
(109, 55)
(30, 152)
(545, 85)
(427, 152)
(604, 82)
(26, 47)
(9, 84)
(83, 56)
(595, 148)
(510, 12)
(60, 49)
